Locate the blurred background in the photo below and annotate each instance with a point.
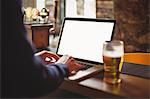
(132, 18)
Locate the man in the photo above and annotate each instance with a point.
(23, 74)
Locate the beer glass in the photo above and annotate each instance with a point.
(113, 52)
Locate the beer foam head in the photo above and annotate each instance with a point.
(113, 54)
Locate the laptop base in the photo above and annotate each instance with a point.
(83, 74)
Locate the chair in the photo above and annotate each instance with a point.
(139, 58)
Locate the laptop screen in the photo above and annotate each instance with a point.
(83, 38)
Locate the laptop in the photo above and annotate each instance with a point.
(82, 38)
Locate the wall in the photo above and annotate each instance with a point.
(132, 24)
(29, 3)
(104, 8)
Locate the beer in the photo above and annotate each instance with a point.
(112, 68)
(113, 60)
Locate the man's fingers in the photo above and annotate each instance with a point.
(64, 59)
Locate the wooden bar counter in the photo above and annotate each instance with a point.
(131, 86)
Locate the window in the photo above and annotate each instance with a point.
(80, 8)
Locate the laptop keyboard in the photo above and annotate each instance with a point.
(86, 65)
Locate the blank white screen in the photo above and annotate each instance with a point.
(84, 39)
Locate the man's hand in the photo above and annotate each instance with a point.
(72, 65)
(48, 57)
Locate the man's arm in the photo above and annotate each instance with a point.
(23, 74)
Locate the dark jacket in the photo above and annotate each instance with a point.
(23, 74)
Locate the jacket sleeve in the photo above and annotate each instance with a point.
(49, 77)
